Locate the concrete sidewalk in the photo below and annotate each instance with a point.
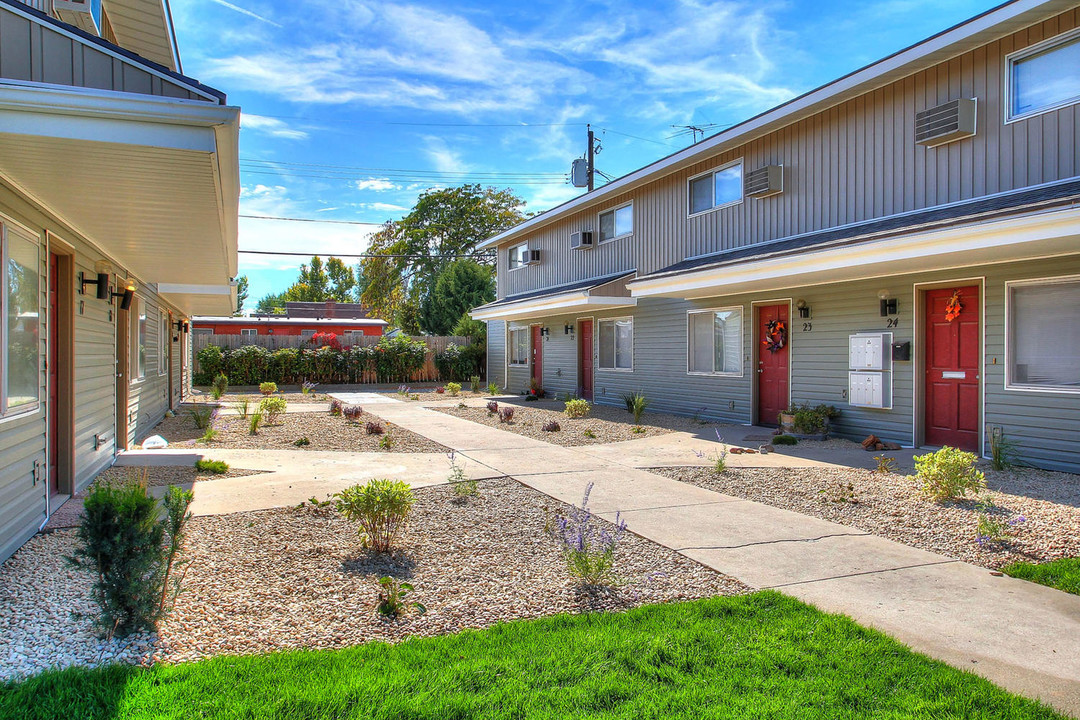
(1022, 636)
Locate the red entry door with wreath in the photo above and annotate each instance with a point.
(773, 362)
(952, 367)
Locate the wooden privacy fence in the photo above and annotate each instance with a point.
(428, 373)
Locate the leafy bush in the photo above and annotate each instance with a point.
(551, 426)
(201, 415)
(133, 552)
(211, 364)
(492, 407)
(493, 389)
(636, 404)
(335, 407)
(254, 422)
(220, 386)
(386, 441)
(268, 388)
(218, 467)
(453, 389)
(392, 594)
(577, 408)
(248, 364)
(374, 428)
(301, 442)
(948, 474)
(381, 507)
(398, 358)
(587, 546)
(272, 408)
(506, 415)
(474, 383)
(785, 440)
(352, 413)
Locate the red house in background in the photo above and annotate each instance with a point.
(300, 318)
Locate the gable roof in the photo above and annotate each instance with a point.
(979, 30)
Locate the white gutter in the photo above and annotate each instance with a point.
(551, 305)
(976, 31)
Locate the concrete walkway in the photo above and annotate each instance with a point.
(1022, 636)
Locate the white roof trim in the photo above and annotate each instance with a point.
(252, 319)
(901, 64)
(551, 305)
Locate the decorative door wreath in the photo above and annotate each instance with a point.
(953, 306)
(775, 335)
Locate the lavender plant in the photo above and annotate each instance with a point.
(463, 486)
(719, 457)
(308, 387)
(991, 527)
(404, 390)
(214, 427)
(587, 543)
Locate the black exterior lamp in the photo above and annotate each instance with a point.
(102, 284)
(126, 297)
(568, 329)
(888, 304)
(545, 331)
(803, 308)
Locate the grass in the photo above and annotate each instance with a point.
(762, 655)
(218, 467)
(1062, 574)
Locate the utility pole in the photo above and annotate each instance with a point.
(590, 167)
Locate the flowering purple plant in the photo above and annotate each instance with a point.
(307, 386)
(587, 543)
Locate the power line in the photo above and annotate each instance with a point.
(397, 170)
(353, 178)
(422, 124)
(636, 137)
(310, 220)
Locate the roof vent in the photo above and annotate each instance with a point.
(765, 181)
(581, 240)
(954, 120)
(83, 14)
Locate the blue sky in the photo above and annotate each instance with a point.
(351, 109)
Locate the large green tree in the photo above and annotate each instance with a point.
(460, 286)
(408, 255)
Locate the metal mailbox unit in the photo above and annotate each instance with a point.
(870, 370)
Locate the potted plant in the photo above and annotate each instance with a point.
(806, 422)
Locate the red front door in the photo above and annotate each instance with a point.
(54, 376)
(952, 369)
(772, 370)
(537, 356)
(585, 358)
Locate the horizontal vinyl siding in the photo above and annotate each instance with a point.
(853, 162)
(148, 398)
(35, 52)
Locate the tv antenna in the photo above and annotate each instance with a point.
(694, 130)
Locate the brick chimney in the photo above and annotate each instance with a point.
(330, 306)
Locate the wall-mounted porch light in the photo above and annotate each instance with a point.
(888, 304)
(127, 296)
(545, 331)
(804, 309)
(568, 329)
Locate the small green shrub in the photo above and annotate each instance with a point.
(463, 487)
(268, 388)
(492, 389)
(243, 407)
(381, 507)
(254, 422)
(577, 408)
(453, 389)
(785, 440)
(220, 386)
(589, 434)
(885, 465)
(301, 442)
(474, 383)
(201, 415)
(218, 467)
(392, 594)
(1002, 449)
(386, 442)
(133, 552)
(272, 408)
(948, 474)
(636, 403)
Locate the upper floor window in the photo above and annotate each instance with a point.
(20, 310)
(1036, 311)
(518, 255)
(716, 188)
(1044, 76)
(617, 223)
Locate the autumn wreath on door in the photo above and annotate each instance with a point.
(775, 335)
(953, 306)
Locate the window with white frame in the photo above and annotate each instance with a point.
(1044, 76)
(307, 334)
(517, 343)
(616, 344)
(617, 223)
(138, 336)
(20, 303)
(518, 255)
(716, 189)
(202, 331)
(249, 331)
(163, 344)
(714, 341)
(1044, 336)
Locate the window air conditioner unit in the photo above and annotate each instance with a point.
(581, 240)
(532, 257)
(945, 123)
(765, 181)
(83, 14)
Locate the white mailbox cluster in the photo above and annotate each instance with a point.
(870, 370)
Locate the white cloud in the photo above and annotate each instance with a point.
(270, 126)
(444, 158)
(376, 185)
(384, 207)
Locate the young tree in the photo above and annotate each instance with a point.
(342, 281)
(273, 303)
(241, 293)
(459, 287)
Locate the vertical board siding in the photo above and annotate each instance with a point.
(36, 52)
(496, 352)
(855, 161)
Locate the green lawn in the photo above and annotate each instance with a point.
(1061, 574)
(758, 656)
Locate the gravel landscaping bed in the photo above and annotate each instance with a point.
(428, 394)
(605, 423)
(891, 506)
(167, 475)
(254, 395)
(297, 577)
(323, 431)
